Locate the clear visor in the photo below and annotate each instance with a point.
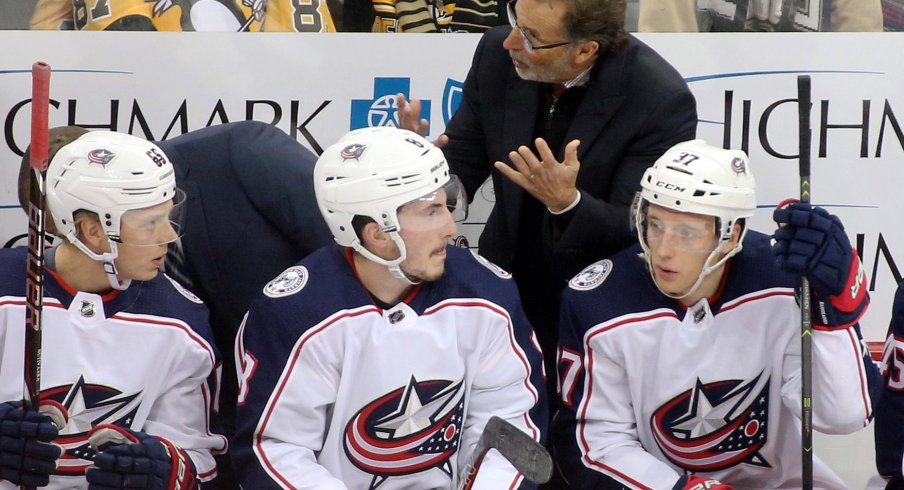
(154, 225)
(680, 231)
(434, 210)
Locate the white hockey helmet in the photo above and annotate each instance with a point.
(373, 172)
(695, 177)
(109, 174)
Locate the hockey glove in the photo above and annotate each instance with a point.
(27, 455)
(136, 460)
(812, 242)
(694, 482)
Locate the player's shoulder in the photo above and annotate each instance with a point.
(897, 312)
(754, 268)
(12, 270)
(164, 297)
(470, 274)
(314, 288)
(618, 285)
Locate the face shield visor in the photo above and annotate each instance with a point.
(662, 229)
(433, 210)
(155, 225)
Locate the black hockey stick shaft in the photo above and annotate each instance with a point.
(34, 280)
(528, 456)
(806, 326)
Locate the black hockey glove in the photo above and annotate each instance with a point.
(27, 455)
(812, 242)
(695, 482)
(136, 460)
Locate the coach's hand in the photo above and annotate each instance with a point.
(812, 242)
(409, 114)
(552, 182)
(136, 460)
(27, 455)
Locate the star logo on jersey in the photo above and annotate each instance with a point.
(409, 430)
(382, 110)
(88, 405)
(715, 426)
(101, 156)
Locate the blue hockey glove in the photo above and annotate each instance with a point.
(135, 460)
(27, 455)
(812, 242)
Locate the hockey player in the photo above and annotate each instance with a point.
(680, 357)
(376, 363)
(126, 352)
(890, 410)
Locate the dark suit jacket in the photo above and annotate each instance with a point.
(636, 106)
(251, 213)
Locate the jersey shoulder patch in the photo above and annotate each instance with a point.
(495, 269)
(592, 276)
(288, 282)
(183, 291)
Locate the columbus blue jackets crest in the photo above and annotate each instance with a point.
(408, 430)
(714, 426)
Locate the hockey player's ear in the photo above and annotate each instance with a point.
(373, 237)
(91, 233)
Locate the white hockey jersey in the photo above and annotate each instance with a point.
(138, 358)
(651, 390)
(338, 393)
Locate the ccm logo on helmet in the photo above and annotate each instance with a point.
(670, 186)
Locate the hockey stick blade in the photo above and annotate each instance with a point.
(528, 456)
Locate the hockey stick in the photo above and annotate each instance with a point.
(528, 456)
(806, 327)
(34, 279)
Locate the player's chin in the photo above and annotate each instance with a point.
(434, 273)
(146, 275)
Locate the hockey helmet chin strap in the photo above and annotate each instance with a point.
(107, 258)
(707, 270)
(394, 265)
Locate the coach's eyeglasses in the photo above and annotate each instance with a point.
(528, 45)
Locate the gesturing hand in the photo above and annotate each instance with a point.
(552, 182)
(409, 114)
